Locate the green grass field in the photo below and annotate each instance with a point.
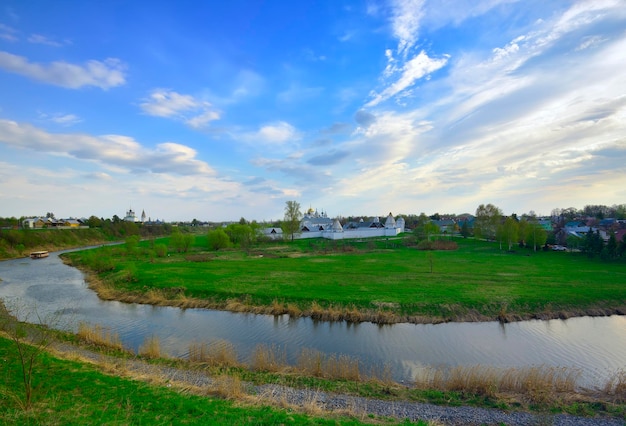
(476, 281)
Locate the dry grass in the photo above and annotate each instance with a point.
(540, 384)
(100, 336)
(151, 348)
(616, 386)
(383, 375)
(318, 364)
(219, 353)
(230, 387)
(269, 358)
(277, 308)
(294, 311)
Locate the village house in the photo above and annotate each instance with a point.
(50, 222)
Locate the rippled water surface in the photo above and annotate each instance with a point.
(597, 346)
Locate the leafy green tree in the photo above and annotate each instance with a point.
(291, 222)
(522, 231)
(425, 228)
(573, 242)
(218, 239)
(611, 247)
(592, 244)
(94, 222)
(536, 236)
(487, 221)
(508, 232)
(465, 232)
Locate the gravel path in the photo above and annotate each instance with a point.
(354, 405)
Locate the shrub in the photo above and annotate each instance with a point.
(160, 250)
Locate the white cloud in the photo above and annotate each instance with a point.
(105, 74)
(110, 150)
(412, 70)
(277, 133)
(193, 112)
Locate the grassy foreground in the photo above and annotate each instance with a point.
(382, 281)
(70, 392)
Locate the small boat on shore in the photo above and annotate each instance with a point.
(39, 254)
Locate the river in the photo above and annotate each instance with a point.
(50, 290)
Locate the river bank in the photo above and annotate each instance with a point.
(329, 403)
(177, 299)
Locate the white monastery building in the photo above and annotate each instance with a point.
(319, 225)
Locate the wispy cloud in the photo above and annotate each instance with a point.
(8, 33)
(167, 103)
(409, 73)
(405, 23)
(329, 158)
(103, 74)
(61, 118)
(40, 39)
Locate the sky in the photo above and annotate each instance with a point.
(221, 110)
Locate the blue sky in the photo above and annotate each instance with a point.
(221, 110)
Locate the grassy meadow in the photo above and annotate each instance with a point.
(383, 281)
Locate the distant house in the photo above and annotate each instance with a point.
(33, 222)
(445, 225)
(545, 224)
(71, 223)
(274, 233)
(48, 222)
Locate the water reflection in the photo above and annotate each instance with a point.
(595, 345)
